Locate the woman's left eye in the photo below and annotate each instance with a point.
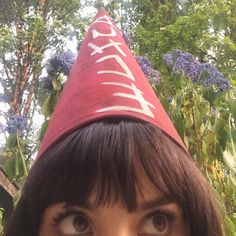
(155, 225)
(76, 225)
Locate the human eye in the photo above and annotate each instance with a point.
(157, 223)
(73, 224)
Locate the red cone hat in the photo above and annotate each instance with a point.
(105, 82)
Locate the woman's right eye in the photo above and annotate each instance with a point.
(158, 223)
(155, 225)
(75, 225)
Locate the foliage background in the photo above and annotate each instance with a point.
(34, 62)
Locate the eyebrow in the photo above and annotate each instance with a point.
(144, 206)
(156, 202)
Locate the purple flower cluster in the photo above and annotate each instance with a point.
(152, 75)
(4, 98)
(16, 123)
(212, 77)
(127, 37)
(47, 83)
(61, 63)
(184, 63)
(144, 64)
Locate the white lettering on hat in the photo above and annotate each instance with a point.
(119, 60)
(137, 95)
(104, 19)
(112, 43)
(96, 34)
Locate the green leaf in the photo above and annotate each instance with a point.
(221, 134)
(232, 107)
(45, 107)
(231, 226)
(177, 82)
(222, 138)
(11, 141)
(179, 125)
(16, 165)
(209, 140)
(1, 219)
(218, 124)
(48, 105)
(56, 84)
(43, 130)
(9, 167)
(179, 101)
(198, 118)
(210, 95)
(204, 150)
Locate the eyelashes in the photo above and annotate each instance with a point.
(61, 215)
(170, 215)
(158, 222)
(72, 221)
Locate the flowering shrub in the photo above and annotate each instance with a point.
(152, 75)
(127, 37)
(144, 64)
(61, 63)
(17, 123)
(202, 106)
(212, 77)
(47, 83)
(184, 63)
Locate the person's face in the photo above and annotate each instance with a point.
(155, 216)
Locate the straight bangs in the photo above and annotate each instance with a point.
(102, 158)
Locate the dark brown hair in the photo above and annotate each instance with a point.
(104, 154)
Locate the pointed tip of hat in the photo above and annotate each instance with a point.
(101, 8)
(101, 11)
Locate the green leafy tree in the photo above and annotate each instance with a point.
(203, 115)
(29, 31)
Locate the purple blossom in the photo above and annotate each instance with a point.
(61, 63)
(184, 63)
(154, 77)
(188, 56)
(127, 37)
(144, 64)
(168, 59)
(193, 71)
(16, 123)
(4, 97)
(212, 77)
(47, 83)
